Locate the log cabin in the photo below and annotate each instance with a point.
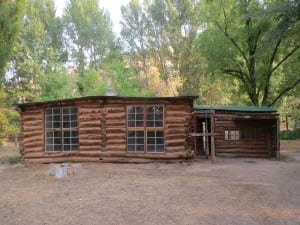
(248, 131)
(107, 128)
(142, 129)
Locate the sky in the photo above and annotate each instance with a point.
(112, 6)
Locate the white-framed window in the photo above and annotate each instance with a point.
(61, 129)
(232, 135)
(145, 129)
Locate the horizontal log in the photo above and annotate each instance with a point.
(87, 136)
(27, 134)
(175, 149)
(33, 139)
(174, 131)
(33, 123)
(114, 123)
(115, 130)
(32, 113)
(84, 148)
(116, 141)
(32, 149)
(175, 136)
(172, 155)
(61, 159)
(35, 143)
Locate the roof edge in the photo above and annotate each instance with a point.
(106, 97)
(257, 109)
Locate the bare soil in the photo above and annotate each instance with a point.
(232, 191)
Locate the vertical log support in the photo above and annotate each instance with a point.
(212, 138)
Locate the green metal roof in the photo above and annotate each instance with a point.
(255, 109)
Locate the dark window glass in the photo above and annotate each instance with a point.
(61, 129)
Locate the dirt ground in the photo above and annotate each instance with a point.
(232, 191)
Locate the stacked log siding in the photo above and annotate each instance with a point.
(102, 127)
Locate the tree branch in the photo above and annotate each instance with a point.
(284, 91)
(233, 42)
(285, 58)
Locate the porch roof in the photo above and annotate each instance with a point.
(253, 109)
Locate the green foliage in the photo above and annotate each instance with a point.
(10, 19)
(56, 86)
(89, 33)
(91, 83)
(39, 51)
(290, 134)
(240, 41)
(9, 118)
(123, 78)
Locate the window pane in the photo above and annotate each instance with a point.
(150, 141)
(160, 148)
(56, 111)
(67, 147)
(74, 141)
(74, 111)
(130, 148)
(150, 123)
(74, 124)
(159, 134)
(57, 140)
(74, 147)
(158, 123)
(131, 141)
(159, 141)
(140, 148)
(139, 124)
(66, 124)
(139, 109)
(139, 117)
(140, 140)
(74, 134)
(49, 148)
(56, 124)
(57, 148)
(131, 116)
(150, 148)
(67, 141)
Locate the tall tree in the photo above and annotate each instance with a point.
(162, 34)
(239, 41)
(88, 33)
(10, 20)
(39, 51)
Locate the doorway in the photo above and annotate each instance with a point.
(204, 133)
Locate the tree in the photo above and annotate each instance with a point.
(162, 34)
(88, 33)
(10, 20)
(39, 51)
(240, 42)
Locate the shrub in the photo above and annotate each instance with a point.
(290, 134)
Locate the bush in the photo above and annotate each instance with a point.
(290, 134)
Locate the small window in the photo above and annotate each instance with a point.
(233, 135)
(155, 116)
(135, 116)
(61, 129)
(155, 141)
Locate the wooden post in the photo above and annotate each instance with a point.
(278, 138)
(212, 138)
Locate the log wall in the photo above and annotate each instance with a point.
(261, 146)
(102, 131)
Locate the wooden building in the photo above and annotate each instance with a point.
(236, 131)
(107, 128)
